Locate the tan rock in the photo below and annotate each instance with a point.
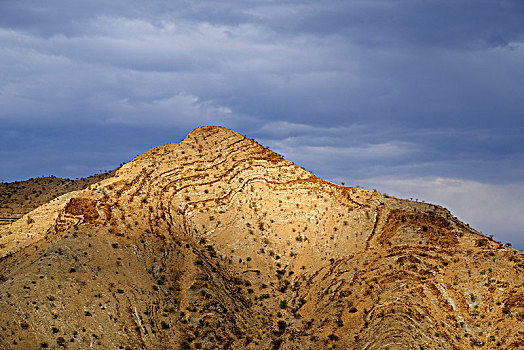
(219, 243)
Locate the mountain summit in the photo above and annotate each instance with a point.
(219, 243)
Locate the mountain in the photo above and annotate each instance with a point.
(219, 243)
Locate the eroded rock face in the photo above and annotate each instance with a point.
(217, 242)
(84, 207)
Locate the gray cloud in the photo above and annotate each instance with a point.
(352, 90)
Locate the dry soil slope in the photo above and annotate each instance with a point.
(20, 197)
(218, 242)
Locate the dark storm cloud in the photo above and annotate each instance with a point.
(296, 60)
(398, 94)
(365, 150)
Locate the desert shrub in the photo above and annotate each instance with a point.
(169, 309)
(191, 308)
(263, 296)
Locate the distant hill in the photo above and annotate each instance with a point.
(219, 243)
(21, 197)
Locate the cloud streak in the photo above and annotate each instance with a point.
(351, 90)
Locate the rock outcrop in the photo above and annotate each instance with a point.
(219, 243)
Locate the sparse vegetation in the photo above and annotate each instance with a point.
(207, 271)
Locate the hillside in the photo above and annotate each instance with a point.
(219, 243)
(21, 197)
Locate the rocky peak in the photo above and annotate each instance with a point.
(218, 242)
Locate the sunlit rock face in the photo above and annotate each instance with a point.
(218, 242)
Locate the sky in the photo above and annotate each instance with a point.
(417, 99)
